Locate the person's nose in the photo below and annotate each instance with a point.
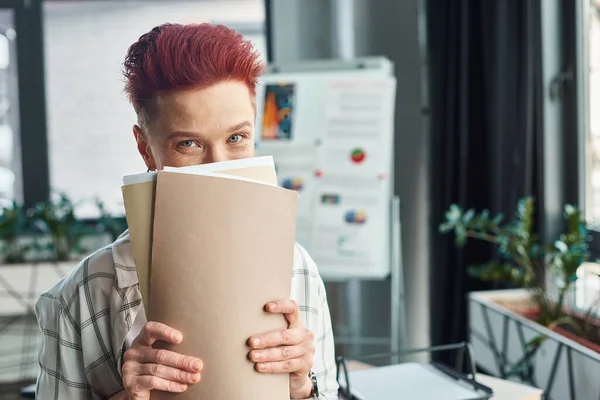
(215, 154)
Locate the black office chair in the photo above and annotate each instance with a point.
(28, 392)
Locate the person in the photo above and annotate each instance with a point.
(193, 88)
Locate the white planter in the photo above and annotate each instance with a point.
(563, 368)
(20, 338)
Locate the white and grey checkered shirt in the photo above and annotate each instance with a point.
(87, 317)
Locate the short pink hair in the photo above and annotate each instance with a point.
(180, 57)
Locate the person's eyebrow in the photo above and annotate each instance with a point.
(185, 134)
(242, 125)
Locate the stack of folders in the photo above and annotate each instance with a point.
(212, 245)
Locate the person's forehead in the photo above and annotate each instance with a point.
(227, 100)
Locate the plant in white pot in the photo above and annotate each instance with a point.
(538, 311)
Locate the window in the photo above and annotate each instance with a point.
(90, 141)
(588, 62)
(591, 57)
(10, 169)
(587, 35)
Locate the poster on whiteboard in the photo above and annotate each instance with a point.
(351, 226)
(296, 171)
(331, 137)
(357, 133)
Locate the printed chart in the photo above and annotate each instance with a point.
(331, 136)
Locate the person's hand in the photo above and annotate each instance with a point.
(146, 369)
(288, 351)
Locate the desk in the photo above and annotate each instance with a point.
(507, 390)
(503, 390)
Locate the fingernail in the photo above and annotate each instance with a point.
(255, 341)
(178, 337)
(271, 306)
(181, 388)
(197, 365)
(195, 377)
(257, 356)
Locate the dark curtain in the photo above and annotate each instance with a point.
(485, 97)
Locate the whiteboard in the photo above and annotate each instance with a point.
(330, 129)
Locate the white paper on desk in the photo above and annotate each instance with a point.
(407, 381)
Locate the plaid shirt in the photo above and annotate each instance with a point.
(87, 317)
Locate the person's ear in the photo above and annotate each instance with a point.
(144, 148)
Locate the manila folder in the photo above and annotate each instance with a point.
(139, 210)
(222, 249)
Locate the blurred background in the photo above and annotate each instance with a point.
(496, 100)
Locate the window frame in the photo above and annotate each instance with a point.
(32, 150)
(34, 146)
(32, 100)
(581, 113)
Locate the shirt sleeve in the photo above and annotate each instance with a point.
(318, 319)
(325, 366)
(62, 370)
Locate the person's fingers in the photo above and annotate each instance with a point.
(154, 331)
(287, 307)
(286, 337)
(277, 353)
(164, 357)
(169, 373)
(146, 383)
(281, 367)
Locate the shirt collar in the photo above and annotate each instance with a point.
(124, 262)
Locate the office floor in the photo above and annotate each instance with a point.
(20, 337)
(18, 355)
(11, 392)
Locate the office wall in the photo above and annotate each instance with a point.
(89, 117)
(394, 29)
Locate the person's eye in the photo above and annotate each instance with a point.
(187, 143)
(235, 138)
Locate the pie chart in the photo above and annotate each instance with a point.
(295, 183)
(356, 217)
(358, 155)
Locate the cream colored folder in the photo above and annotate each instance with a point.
(138, 196)
(222, 249)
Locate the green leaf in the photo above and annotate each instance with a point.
(497, 272)
(561, 246)
(468, 216)
(461, 237)
(445, 227)
(485, 215)
(454, 214)
(498, 219)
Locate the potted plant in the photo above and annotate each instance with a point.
(13, 225)
(521, 333)
(39, 261)
(56, 218)
(108, 223)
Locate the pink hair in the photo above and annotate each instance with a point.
(180, 57)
